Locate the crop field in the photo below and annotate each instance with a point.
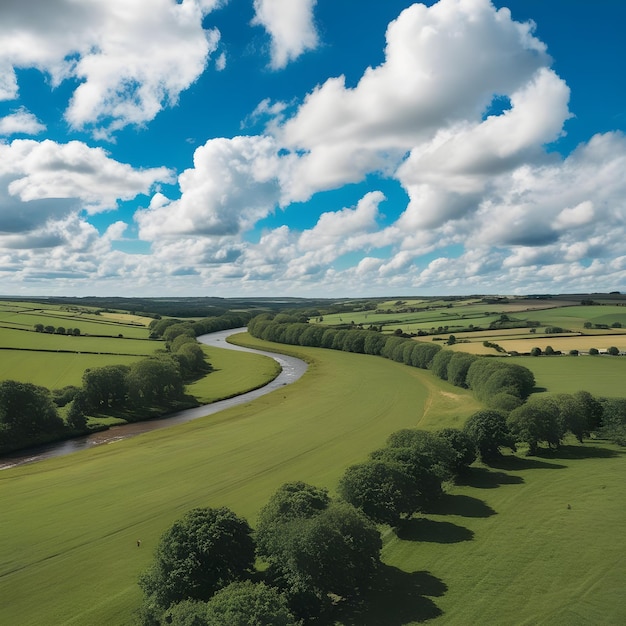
(70, 524)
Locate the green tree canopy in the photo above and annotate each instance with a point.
(27, 412)
(535, 421)
(489, 432)
(202, 552)
(382, 489)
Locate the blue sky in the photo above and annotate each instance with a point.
(312, 148)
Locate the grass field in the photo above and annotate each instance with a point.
(233, 373)
(599, 375)
(69, 525)
(509, 551)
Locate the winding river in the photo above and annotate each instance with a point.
(291, 370)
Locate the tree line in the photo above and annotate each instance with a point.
(499, 384)
(503, 387)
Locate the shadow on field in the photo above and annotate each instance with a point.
(465, 506)
(483, 478)
(422, 529)
(398, 598)
(517, 463)
(579, 452)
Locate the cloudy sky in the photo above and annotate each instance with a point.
(312, 147)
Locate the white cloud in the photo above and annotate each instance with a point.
(21, 122)
(443, 66)
(290, 25)
(44, 181)
(233, 184)
(49, 170)
(131, 57)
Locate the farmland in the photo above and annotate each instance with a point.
(63, 516)
(522, 540)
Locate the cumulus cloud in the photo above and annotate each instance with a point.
(21, 122)
(130, 57)
(443, 66)
(44, 182)
(290, 25)
(233, 184)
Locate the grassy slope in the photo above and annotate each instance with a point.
(70, 524)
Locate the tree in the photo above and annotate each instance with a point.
(572, 414)
(154, 381)
(489, 432)
(245, 603)
(316, 547)
(295, 500)
(382, 489)
(27, 413)
(536, 420)
(535, 352)
(106, 386)
(463, 447)
(202, 552)
(38, 328)
(592, 409)
(549, 351)
(458, 366)
(594, 351)
(439, 364)
(76, 418)
(613, 351)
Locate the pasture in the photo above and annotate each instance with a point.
(525, 541)
(70, 524)
(602, 376)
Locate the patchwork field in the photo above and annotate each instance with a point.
(55, 360)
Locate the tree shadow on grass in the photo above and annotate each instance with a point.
(464, 506)
(397, 598)
(517, 463)
(422, 529)
(483, 478)
(581, 451)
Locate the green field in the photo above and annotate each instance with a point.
(599, 375)
(509, 551)
(69, 525)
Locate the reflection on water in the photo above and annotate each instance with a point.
(291, 370)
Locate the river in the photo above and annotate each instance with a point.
(291, 370)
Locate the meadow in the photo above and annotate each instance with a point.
(529, 541)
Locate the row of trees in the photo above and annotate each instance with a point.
(58, 330)
(159, 328)
(499, 384)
